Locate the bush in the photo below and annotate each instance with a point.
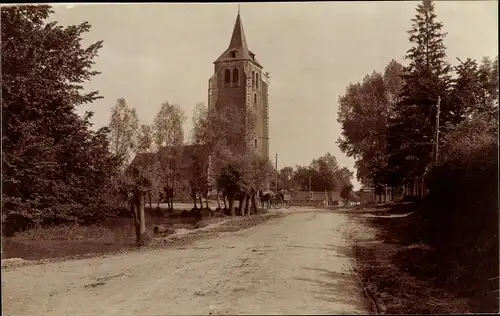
(461, 220)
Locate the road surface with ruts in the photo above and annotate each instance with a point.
(297, 264)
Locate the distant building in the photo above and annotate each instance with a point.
(366, 195)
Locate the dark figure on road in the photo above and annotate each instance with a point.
(265, 198)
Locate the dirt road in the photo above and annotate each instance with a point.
(298, 264)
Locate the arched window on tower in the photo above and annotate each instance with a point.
(257, 78)
(236, 75)
(255, 142)
(255, 98)
(253, 79)
(227, 76)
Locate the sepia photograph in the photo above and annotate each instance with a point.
(284, 158)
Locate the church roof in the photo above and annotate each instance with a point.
(238, 47)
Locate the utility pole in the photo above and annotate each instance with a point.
(309, 183)
(436, 132)
(276, 166)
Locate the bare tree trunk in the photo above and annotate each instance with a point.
(193, 195)
(201, 201)
(142, 220)
(247, 204)
(218, 201)
(150, 201)
(137, 226)
(241, 201)
(225, 204)
(206, 199)
(254, 204)
(231, 205)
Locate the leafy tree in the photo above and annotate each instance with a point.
(325, 169)
(364, 113)
(346, 192)
(54, 168)
(134, 184)
(145, 140)
(168, 138)
(475, 91)
(198, 173)
(168, 123)
(344, 176)
(124, 126)
(227, 137)
(287, 180)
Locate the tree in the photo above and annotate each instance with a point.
(325, 168)
(168, 138)
(426, 78)
(344, 176)
(134, 185)
(145, 139)
(124, 126)
(369, 104)
(168, 123)
(346, 192)
(54, 168)
(198, 175)
(228, 139)
(287, 180)
(475, 91)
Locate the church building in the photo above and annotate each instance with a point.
(237, 81)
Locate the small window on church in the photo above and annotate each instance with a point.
(227, 76)
(233, 54)
(236, 75)
(257, 78)
(253, 79)
(255, 98)
(255, 143)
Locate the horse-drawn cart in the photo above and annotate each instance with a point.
(282, 199)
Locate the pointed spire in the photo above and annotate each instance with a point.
(238, 48)
(238, 39)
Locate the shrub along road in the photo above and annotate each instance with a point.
(297, 264)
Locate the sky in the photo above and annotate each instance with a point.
(160, 52)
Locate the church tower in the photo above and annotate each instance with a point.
(238, 81)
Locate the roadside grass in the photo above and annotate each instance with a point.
(408, 273)
(111, 236)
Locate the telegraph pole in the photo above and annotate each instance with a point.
(436, 132)
(276, 166)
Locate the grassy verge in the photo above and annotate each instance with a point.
(404, 274)
(65, 242)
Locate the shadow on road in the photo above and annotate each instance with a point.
(332, 286)
(330, 248)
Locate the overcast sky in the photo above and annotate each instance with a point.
(164, 52)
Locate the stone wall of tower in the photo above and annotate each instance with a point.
(257, 102)
(265, 119)
(232, 94)
(212, 91)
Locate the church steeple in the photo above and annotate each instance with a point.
(238, 39)
(238, 47)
